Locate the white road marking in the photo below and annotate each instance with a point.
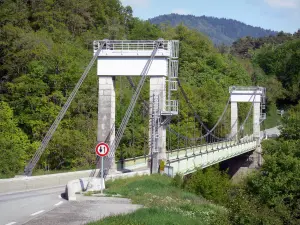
(59, 196)
(11, 223)
(34, 214)
(57, 204)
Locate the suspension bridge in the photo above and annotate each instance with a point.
(170, 151)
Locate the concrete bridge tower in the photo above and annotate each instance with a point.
(128, 58)
(256, 96)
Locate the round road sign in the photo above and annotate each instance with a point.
(102, 149)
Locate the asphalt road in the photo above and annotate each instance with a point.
(85, 210)
(272, 132)
(47, 207)
(18, 208)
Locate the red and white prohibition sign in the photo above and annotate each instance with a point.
(102, 149)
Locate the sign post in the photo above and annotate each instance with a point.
(102, 150)
(102, 175)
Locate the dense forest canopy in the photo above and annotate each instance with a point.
(245, 46)
(275, 64)
(219, 30)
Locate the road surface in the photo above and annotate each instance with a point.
(18, 208)
(47, 207)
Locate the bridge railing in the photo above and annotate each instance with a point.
(140, 47)
(250, 88)
(171, 106)
(191, 162)
(189, 151)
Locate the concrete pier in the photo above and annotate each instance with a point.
(106, 112)
(234, 118)
(158, 88)
(256, 122)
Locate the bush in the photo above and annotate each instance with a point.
(177, 181)
(211, 183)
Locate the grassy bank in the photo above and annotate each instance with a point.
(164, 203)
(273, 119)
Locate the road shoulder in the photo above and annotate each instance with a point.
(85, 210)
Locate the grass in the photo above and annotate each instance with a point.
(273, 119)
(164, 203)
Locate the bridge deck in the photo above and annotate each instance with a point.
(187, 160)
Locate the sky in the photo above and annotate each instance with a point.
(278, 15)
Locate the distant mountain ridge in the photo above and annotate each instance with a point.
(220, 30)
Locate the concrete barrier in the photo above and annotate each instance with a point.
(94, 184)
(52, 180)
(83, 185)
(37, 182)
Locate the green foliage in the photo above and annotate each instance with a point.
(245, 46)
(144, 31)
(291, 124)
(243, 208)
(273, 62)
(178, 180)
(14, 143)
(211, 183)
(277, 184)
(246, 209)
(283, 62)
(273, 118)
(45, 46)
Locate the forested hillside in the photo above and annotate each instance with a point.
(220, 30)
(274, 63)
(245, 46)
(45, 46)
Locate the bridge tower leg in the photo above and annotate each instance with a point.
(158, 88)
(234, 119)
(257, 158)
(256, 120)
(106, 112)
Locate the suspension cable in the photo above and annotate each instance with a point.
(131, 82)
(34, 160)
(198, 117)
(204, 136)
(209, 131)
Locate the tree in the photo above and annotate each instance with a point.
(291, 124)
(277, 183)
(14, 143)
